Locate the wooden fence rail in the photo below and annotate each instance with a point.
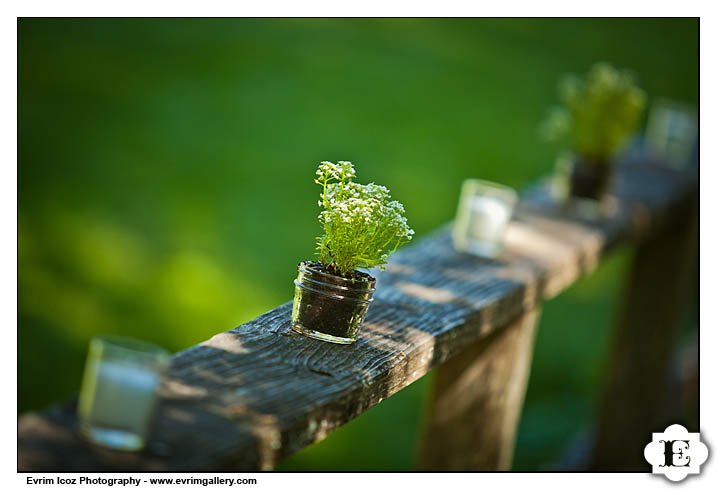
(251, 396)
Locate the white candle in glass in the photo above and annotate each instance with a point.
(672, 132)
(119, 391)
(488, 218)
(124, 396)
(484, 212)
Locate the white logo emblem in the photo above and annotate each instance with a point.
(676, 453)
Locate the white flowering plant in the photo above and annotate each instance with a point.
(362, 227)
(597, 113)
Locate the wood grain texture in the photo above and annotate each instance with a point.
(477, 400)
(248, 397)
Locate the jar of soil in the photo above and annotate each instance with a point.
(589, 179)
(330, 307)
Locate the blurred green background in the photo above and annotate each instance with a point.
(165, 174)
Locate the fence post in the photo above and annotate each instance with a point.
(654, 307)
(477, 400)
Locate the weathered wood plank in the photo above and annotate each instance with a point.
(477, 400)
(654, 308)
(253, 395)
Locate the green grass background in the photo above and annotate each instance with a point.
(165, 174)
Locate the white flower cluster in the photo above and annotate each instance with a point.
(361, 226)
(394, 213)
(340, 171)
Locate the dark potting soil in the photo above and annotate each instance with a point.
(353, 275)
(590, 179)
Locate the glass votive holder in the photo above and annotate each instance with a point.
(672, 133)
(484, 211)
(119, 391)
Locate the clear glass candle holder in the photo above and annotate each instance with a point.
(672, 133)
(119, 391)
(485, 209)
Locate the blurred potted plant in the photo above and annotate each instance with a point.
(362, 227)
(597, 115)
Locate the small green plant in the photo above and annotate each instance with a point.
(597, 113)
(361, 226)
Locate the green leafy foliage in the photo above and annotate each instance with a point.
(597, 113)
(361, 226)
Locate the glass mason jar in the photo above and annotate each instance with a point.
(583, 186)
(589, 179)
(484, 211)
(330, 307)
(119, 390)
